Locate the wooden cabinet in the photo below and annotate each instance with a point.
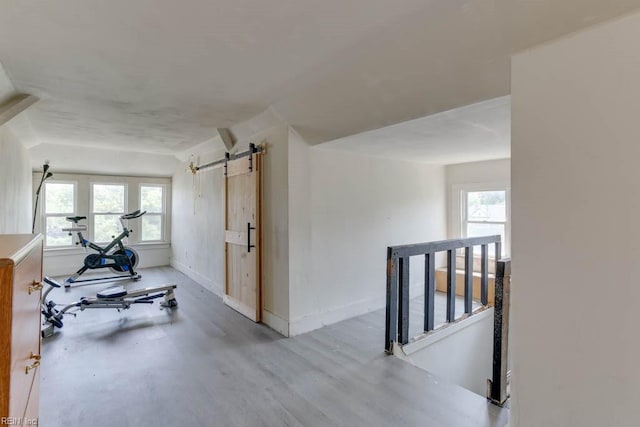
(20, 290)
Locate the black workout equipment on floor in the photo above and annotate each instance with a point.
(116, 297)
(120, 259)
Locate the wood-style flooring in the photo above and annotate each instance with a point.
(206, 365)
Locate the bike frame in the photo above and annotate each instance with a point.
(104, 252)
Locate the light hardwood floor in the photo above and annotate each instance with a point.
(206, 365)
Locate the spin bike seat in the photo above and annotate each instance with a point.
(75, 218)
(111, 293)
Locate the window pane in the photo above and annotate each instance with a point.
(54, 235)
(151, 227)
(58, 198)
(151, 199)
(108, 198)
(106, 226)
(479, 230)
(486, 206)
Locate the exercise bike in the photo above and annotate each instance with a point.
(116, 297)
(120, 259)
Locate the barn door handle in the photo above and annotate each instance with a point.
(249, 245)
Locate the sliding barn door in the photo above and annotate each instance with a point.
(243, 194)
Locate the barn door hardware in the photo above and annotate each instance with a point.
(249, 245)
(253, 149)
(227, 157)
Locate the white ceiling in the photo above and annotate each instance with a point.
(159, 76)
(480, 131)
(162, 75)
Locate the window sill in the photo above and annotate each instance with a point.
(151, 245)
(80, 250)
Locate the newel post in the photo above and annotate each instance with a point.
(497, 386)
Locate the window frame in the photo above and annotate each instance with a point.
(162, 214)
(92, 213)
(44, 215)
(462, 220)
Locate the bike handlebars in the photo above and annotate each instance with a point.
(132, 215)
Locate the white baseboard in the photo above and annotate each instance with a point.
(214, 287)
(275, 322)
(318, 320)
(315, 321)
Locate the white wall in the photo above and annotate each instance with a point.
(275, 246)
(198, 229)
(197, 247)
(488, 173)
(356, 206)
(64, 261)
(328, 216)
(575, 175)
(462, 353)
(88, 160)
(15, 169)
(15, 184)
(300, 222)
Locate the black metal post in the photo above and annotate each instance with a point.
(468, 279)
(429, 291)
(498, 384)
(403, 301)
(484, 274)
(451, 285)
(391, 326)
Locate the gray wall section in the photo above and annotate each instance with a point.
(15, 185)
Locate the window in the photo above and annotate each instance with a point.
(152, 201)
(108, 203)
(486, 213)
(103, 199)
(59, 202)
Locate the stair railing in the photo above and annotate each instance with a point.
(398, 280)
(397, 316)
